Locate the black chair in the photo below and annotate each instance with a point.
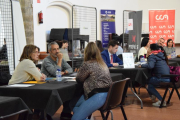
(115, 98)
(20, 115)
(172, 84)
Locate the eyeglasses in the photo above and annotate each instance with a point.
(36, 52)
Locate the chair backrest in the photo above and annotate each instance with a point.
(20, 115)
(115, 94)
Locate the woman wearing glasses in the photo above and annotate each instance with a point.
(26, 69)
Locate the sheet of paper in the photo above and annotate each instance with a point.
(69, 77)
(128, 60)
(85, 28)
(20, 85)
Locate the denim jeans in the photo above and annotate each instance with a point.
(84, 108)
(154, 81)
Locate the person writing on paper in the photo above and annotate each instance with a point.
(145, 43)
(26, 69)
(55, 61)
(95, 77)
(109, 56)
(158, 62)
(169, 48)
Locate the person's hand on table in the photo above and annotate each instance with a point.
(115, 64)
(139, 66)
(62, 73)
(169, 56)
(43, 77)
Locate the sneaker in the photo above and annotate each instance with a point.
(158, 103)
(153, 98)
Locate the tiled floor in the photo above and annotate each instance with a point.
(134, 112)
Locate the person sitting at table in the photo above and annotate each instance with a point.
(161, 41)
(63, 49)
(55, 61)
(144, 47)
(99, 45)
(158, 62)
(96, 80)
(169, 48)
(26, 69)
(109, 56)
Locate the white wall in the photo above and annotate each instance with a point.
(118, 5)
(56, 17)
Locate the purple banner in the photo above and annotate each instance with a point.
(107, 25)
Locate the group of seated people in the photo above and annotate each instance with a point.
(93, 73)
(145, 44)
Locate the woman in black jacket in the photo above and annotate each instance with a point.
(158, 62)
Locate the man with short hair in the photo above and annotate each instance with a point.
(49, 67)
(109, 56)
(160, 42)
(55, 61)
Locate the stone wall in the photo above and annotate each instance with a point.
(27, 12)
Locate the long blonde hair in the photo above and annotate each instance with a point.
(27, 52)
(92, 53)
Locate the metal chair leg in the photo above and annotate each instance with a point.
(111, 115)
(170, 96)
(123, 112)
(136, 96)
(107, 114)
(164, 96)
(102, 114)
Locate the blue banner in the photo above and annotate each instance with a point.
(107, 25)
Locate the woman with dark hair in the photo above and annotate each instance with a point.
(169, 48)
(144, 47)
(158, 62)
(26, 69)
(99, 45)
(95, 77)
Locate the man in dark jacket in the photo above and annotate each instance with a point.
(109, 56)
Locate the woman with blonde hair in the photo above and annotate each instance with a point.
(95, 77)
(26, 69)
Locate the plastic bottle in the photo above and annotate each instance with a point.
(142, 59)
(174, 54)
(58, 75)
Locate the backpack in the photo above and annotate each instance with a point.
(176, 71)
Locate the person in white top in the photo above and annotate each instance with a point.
(64, 50)
(26, 69)
(144, 47)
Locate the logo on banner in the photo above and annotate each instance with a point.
(161, 17)
(162, 27)
(153, 27)
(133, 38)
(166, 31)
(153, 36)
(162, 36)
(171, 26)
(170, 36)
(158, 31)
